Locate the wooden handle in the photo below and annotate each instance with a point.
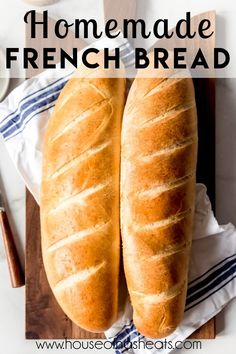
(16, 272)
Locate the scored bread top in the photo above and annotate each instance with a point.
(158, 166)
(80, 198)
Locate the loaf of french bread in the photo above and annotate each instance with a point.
(80, 198)
(158, 165)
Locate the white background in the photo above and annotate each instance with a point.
(12, 300)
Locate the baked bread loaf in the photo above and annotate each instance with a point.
(80, 198)
(158, 163)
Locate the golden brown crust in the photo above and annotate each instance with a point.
(158, 164)
(163, 316)
(80, 199)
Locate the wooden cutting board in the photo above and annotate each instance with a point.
(44, 318)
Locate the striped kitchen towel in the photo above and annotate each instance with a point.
(212, 277)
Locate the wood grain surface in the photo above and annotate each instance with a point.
(44, 318)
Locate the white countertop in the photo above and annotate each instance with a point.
(12, 301)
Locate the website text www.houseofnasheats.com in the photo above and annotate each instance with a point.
(119, 346)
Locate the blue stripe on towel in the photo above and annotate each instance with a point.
(204, 286)
(206, 282)
(27, 109)
(27, 101)
(129, 326)
(118, 343)
(17, 126)
(219, 280)
(15, 122)
(209, 270)
(210, 294)
(39, 112)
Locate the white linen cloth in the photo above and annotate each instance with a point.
(212, 277)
